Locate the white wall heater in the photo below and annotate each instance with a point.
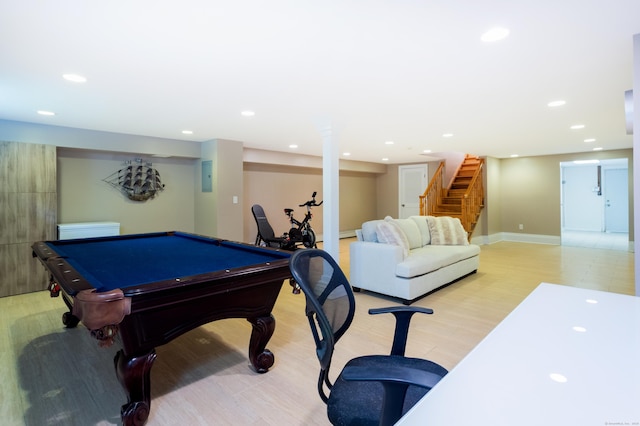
(68, 231)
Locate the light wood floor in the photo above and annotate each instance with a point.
(54, 376)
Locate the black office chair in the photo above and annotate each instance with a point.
(265, 231)
(373, 389)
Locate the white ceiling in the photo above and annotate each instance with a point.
(405, 70)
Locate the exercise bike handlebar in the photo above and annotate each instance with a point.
(312, 202)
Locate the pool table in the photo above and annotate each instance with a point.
(148, 289)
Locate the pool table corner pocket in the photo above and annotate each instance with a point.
(101, 312)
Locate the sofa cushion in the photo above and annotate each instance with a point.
(411, 231)
(370, 230)
(447, 230)
(423, 226)
(390, 232)
(431, 258)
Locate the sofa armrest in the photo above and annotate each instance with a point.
(373, 265)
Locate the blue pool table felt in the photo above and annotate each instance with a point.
(120, 263)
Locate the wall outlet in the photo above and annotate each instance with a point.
(521, 227)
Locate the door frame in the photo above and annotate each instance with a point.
(401, 183)
(617, 163)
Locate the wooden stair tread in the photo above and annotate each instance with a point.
(451, 200)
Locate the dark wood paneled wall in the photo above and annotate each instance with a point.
(28, 213)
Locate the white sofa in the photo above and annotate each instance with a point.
(408, 258)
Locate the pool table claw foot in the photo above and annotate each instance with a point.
(261, 358)
(135, 413)
(69, 320)
(134, 375)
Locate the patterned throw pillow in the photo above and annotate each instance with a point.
(447, 231)
(390, 233)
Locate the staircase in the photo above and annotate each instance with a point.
(463, 198)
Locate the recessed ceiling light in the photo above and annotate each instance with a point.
(599, 148)
(495, 34)
(577, 126)
(579, 329)
(248, 113)
(42, 112)
(556, 103)
(447, 135)
(187, 132)
(592, 301)
(514, 155)
(385, 159)
(346, 154)
(76, 78)
(558, 378)
(293, 146)
(426, 151)
(389, 143)
(590, 140)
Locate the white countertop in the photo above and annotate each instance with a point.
(565, 356)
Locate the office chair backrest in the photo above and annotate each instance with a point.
(330, 302)
(265, 231)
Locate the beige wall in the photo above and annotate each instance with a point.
(218, 213)
(490, 220)
(278, 187)
(83, 196)
(519, 190)
(387, 186)
(530, 191)
(387, 194)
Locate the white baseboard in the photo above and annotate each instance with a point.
(516, 237)
(348, 234)
(341, 234)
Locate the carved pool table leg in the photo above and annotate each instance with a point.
(261, 359)
(134, 375)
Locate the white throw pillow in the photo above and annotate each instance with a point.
(390, 233)
(411, 231)
(421, 221)
(369, 230)
(447, 231)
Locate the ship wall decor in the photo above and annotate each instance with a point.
(137, 180)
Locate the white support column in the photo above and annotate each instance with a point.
(330, 192)
(636, 157)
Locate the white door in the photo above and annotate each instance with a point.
(616, 208)
(413, 183)
(581, 204)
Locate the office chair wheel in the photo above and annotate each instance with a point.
(294, 284)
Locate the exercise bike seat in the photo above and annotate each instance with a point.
(287, 211)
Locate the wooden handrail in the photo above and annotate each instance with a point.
(473, 199)
(432, 196)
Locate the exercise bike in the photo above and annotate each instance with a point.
(301, 232)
